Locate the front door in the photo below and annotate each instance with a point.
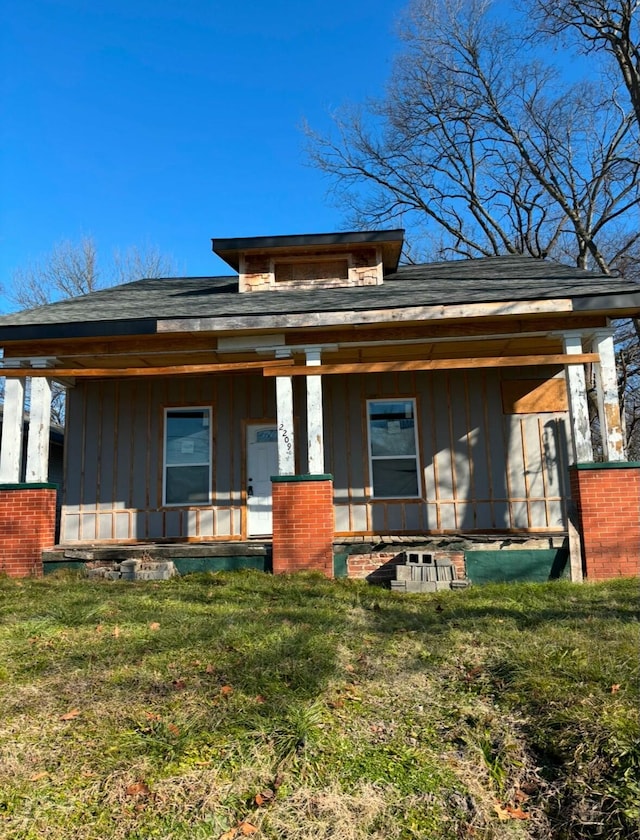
(262, 463)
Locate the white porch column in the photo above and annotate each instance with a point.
(315, 430)
(582, 450)
(39, 428)
(12, 427)
(284, 409)
(607, 391)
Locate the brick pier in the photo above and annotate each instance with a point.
(303, 523)
(607, 496)
(27, 526)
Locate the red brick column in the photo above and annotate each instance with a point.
(303, 523)
(27, 525)
(607, 497)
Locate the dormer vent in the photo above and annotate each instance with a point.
(317, 261)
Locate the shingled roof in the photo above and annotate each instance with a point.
(491, 279)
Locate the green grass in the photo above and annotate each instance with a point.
(238, 704)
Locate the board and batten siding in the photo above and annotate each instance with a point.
(481, 469)
(113, 490)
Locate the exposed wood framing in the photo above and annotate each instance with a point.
(167, 370)
(373, 316)
(439, 364)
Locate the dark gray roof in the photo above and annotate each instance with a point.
(136, 306)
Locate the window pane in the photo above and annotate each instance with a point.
(395, 478)
(391, 428)
(187, 485)
(187, 437)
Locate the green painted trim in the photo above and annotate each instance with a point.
(283, 479)
(73, 565)
(184, 565)
(340, 569)
(35, 486)
(526, 564)
(187, 565)
(607, 465)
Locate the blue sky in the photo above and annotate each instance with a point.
(142, 122)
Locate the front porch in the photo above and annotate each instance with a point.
(481, 558)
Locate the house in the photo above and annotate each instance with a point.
(335, 408)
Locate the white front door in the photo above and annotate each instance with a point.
(262, 463)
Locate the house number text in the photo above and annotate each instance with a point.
(284, 434)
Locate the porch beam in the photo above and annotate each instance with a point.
(441, 364)
(315, 430)
(12, 432)
(100, 373)
(607, 392)
(582, 448)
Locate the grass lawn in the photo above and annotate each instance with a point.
(239, 705)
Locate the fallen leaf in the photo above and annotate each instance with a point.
(196, 663)
(349, 668)
(70, 715)
(228, 835)
(264, 797)
(260, 699)
(336, 704)
(226, 690)
(154, 625)
(116, 632)
(38, 776)
(502, 813)
(247, 828)
(615, 688)
(209, 669)
(151, 716)
(179, 684)
(99, 628)
(517, 813)
(173, 729)
(138, 789)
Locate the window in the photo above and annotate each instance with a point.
(393, 450)
(187, 456)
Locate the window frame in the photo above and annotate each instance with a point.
(415, 456)
(165, 465)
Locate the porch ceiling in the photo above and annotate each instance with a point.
(154, 355)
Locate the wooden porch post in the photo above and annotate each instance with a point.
(582, 450)
(39, 428)
(607, 391)
(284, 409)
(12, 432)
(315, 431)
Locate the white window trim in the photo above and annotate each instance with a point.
(176, 409)
(373, 458)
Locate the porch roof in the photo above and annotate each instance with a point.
(138, 307)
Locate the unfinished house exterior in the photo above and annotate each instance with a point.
(334, 408)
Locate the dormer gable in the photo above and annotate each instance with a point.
(312, 261)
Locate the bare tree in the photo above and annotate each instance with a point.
(609, 26)
(482, 149)
(70, 270)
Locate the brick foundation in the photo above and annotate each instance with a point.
(303, 524)
(379, 566)
(607, 498)
(27, 526)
